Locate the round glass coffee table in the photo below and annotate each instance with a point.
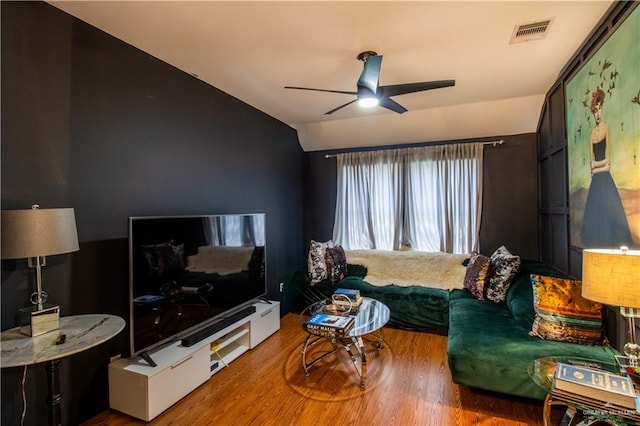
(542, 372)
(371, 316)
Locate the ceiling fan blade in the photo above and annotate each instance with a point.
(389, 103)
(401, 89)
(371, 73)
(322, 90)
(340, 107)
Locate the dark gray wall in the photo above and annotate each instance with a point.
(509, 205)
(92, 123)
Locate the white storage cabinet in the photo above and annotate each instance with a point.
(142, 391)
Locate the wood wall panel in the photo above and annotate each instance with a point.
(555, 244)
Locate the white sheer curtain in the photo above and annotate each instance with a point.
(443, 198)
(369, 202)
(427, 198)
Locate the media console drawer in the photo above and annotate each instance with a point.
(267, 323)
(146, 394)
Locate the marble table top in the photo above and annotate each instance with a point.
(82, 332)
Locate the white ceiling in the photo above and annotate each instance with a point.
(251, 50)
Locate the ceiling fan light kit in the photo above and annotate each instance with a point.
(368, 102)
(369, 93)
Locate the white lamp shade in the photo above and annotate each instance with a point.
(611, 277)
(38, 232)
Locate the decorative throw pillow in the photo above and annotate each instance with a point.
(561, 313)
(164, 258)
(336, 260)
(504, 266)
(316, 263)
(476, 275)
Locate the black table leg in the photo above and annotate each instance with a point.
(55, 397)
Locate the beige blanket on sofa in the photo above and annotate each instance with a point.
(411, 268)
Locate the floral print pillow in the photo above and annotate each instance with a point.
(316, 262)
(504, 267)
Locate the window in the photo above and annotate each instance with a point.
(426, 198)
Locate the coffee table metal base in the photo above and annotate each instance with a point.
(354, 346)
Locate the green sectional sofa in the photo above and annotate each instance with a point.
(489, 346)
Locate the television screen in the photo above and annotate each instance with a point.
(186, 272)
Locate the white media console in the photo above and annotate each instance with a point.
(143, 391)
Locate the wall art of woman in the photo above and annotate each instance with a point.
(604, 224)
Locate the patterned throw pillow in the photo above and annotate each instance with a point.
(476, 275)
(504, 266)
(336, 260)
(561, 313)
(316, 263)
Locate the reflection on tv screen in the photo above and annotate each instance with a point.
(189, 271)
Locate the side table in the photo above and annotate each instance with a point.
(542, 372)
(81, 333)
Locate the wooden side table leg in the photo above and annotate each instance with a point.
(55, 397)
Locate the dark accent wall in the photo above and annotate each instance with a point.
(92, 123)
(555, 245)
(509, 204)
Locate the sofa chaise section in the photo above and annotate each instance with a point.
(489, 345)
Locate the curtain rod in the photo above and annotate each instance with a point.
(494, 143)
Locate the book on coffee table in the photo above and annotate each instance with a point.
(595, 384)
(333, 325)
(353, 295)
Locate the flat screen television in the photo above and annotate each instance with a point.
(187, 272)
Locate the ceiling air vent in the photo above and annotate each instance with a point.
(531, 31)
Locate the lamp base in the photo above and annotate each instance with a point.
(38, 320)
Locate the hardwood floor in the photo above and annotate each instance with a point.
(409, 383)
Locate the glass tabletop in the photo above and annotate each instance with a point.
(372, 315)
(542, 370)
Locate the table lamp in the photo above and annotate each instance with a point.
(612, 277)
(34, 234)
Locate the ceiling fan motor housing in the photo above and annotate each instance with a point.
(363, 56)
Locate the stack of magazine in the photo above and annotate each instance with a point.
(596, 389)
(329, 325)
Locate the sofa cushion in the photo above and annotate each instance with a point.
(504, 267)
(562, 313)
(476, 275)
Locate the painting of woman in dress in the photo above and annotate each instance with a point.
(604, 223)
(602, 123)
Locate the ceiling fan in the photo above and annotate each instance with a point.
(370, 93)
